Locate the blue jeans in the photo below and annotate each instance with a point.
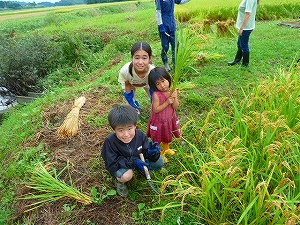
(166, 41)
(153, 166)
(243, 41)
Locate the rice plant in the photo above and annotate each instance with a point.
(188, 44)
(247, 170)
(49, 188)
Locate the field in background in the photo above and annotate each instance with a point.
(57, 10)
(193, 6)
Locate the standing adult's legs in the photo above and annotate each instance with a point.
(172, 40)
(164, 50)
(243, 43)
(237, 58)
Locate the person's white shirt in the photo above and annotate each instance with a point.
(247, 6)
(133, 79)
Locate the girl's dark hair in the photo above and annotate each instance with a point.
(140, 45)
(122, 115)
(156, 74)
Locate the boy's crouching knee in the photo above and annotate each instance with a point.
(127, 176)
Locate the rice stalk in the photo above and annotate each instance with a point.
(49, 189)
(185, 86)
(185, 54)
(229, 180)
(168, 206)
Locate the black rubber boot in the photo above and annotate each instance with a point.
(237, 59)
(245, 61)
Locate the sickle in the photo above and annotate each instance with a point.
(148, 176)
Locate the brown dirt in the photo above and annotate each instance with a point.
(86, 169)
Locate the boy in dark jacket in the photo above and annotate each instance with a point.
(121, 149)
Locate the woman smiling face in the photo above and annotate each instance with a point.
(141, 62)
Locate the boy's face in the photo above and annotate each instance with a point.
(125, 133)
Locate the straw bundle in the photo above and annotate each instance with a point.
(70, 125)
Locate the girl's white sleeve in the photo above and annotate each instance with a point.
(123, 75)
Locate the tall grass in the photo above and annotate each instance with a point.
(249, 168)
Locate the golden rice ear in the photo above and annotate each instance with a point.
(222, 27)
(207, 25)
(70, 125)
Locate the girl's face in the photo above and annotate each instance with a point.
(141, 61)
(125, 133)
(162, 85)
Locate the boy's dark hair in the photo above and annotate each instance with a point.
(156, 74)
(140, 45)
(122, 115)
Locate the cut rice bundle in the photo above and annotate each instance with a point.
(70, 125)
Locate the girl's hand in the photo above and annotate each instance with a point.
(170, 100)
(173, 97)
(175, 93)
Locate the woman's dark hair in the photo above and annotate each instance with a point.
(122, 115)
(156, 74)
(140, 45)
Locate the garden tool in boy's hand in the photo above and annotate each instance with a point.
(148, 175)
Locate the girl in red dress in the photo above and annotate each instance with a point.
(163, 123)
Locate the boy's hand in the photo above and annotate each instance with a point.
(140, 164)
(154, 149)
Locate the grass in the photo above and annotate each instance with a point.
(237, 162)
